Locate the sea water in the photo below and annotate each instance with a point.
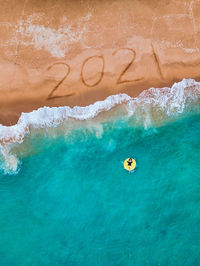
(71, 202)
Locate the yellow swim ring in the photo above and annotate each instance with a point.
(127, 167)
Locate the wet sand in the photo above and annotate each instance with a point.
(58, 53)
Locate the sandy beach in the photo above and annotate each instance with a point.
(85, 86)
(67, 53)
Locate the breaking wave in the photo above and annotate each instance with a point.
(150, 108)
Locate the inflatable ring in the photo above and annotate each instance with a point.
(133, 165)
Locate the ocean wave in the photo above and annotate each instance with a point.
(52, 116)
(156, 104)
(150, 107)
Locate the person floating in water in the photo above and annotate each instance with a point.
(130, 161)
(129, 164)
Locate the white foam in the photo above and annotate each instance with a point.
(55, 41)
(10, 161)
(167, 101)
(53, 116)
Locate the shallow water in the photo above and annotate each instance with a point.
(73, 203)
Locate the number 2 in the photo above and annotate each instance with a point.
(120, 80)
(51, 94)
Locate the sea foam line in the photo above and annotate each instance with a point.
(167, 101)
(171, 101)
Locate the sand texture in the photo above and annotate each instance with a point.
(57, 53)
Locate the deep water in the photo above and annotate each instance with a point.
(74, 204)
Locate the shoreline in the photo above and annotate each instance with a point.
(12, 111)
(151, 106)
(150, 109)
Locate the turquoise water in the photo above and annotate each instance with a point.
(72, 203)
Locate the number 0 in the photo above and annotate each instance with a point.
(102, 70)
